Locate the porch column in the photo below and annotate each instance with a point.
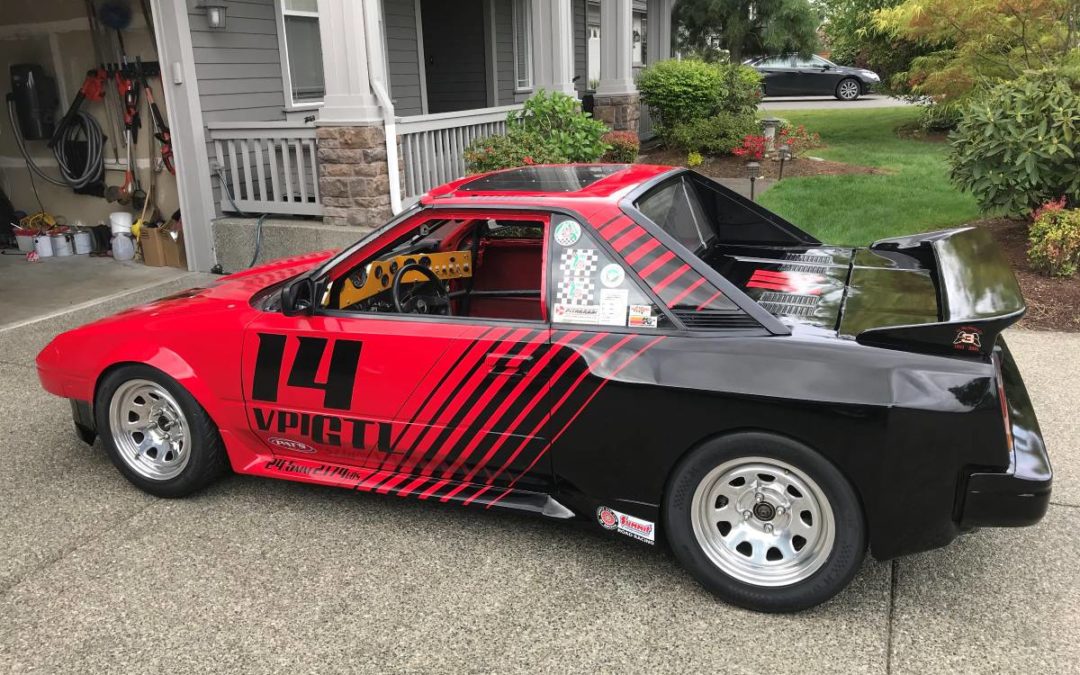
(659, 30)
(354, 176)
(616, 102)
(553, 37)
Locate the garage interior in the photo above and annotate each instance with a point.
(88, 200)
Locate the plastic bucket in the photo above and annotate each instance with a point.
(43, 245)
(25, 242)
(61, 245)
(83, 241)
(123, 246)
(121, 221)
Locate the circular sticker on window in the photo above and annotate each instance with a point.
(612, 275)
(567, 233)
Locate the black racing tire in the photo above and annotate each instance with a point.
(202, 449)
(845, 91)
(834, 565)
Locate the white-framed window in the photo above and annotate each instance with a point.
(523, 58)
(301, 52)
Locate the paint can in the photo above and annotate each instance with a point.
(83, 241)
(25, 242)
(43, 245)
(61, 244)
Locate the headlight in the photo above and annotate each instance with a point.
(870, 75)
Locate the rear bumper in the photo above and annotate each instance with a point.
(1020, 495)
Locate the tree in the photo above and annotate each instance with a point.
(853, 39)
(978, 42)
(746, 27)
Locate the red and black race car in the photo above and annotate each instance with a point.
(635, 346)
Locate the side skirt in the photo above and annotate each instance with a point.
(421, 487)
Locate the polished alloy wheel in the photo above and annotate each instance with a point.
(763, 521)
(849, 90)
(149, 430)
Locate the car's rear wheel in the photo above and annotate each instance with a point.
(764, 522)
(156, 433)
(848, 89)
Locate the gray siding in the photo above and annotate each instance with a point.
(504, 53)
(239, 68)
(581, 46)
(403, 56)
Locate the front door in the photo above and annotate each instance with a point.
(455, 56)
(402, 395)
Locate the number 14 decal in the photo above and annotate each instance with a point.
(340, 380)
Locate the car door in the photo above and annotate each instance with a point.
(419, 401)
(778, 75)
(815, 76)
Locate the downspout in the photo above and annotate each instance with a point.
(377, 86)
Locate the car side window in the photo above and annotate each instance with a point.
(589, 287)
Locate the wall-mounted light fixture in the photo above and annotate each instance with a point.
(215, 16)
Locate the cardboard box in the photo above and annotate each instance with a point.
(162, 247)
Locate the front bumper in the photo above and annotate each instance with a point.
(1020, 495)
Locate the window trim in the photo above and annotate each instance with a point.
(522, 9)
(283, 54)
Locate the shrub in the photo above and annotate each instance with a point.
(678, 92)
(1055, 241)
(1017, 144)
(941, 116)
(505, 152)
(716, 135)
(694, 159)
(798, 139)
(623, 147)
(550, 129)
(753, 147)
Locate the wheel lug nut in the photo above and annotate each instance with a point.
(779, 510)
(746, 515)
(759, 497)
(768, 527)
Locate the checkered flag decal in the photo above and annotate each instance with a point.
(578, 267)
(579, 262)
(575, 291)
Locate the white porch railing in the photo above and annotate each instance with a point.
(433, 146)
(271, 167)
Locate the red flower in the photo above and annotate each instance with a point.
(528, 159)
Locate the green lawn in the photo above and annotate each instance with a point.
(857, 209)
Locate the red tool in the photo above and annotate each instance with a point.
(161, 130)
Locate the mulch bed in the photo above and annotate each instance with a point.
(735, 167)
(1053, 303)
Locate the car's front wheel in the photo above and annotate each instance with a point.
(764, 523)
(848, 89)
(156, 433)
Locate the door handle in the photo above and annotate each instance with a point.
(508, 364)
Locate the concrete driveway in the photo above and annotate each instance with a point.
(259, 575)
(829, 103)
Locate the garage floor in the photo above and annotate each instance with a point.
(52, 285)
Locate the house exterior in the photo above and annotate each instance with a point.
(329, 116)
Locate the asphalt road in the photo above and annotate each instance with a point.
(829, 103)
(258, 575)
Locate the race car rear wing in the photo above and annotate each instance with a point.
(978, 295)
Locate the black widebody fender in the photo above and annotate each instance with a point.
(904, 428)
